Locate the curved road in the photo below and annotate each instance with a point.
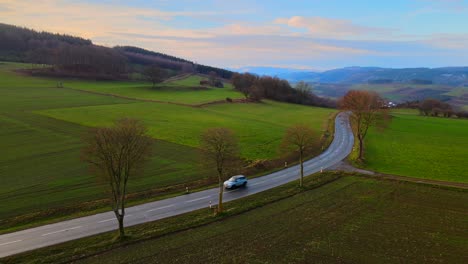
(90, 225)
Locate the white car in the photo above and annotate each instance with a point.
(235, 181)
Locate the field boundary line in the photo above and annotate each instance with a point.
(155, 101)
(346, 167)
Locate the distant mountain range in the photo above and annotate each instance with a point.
(449, 84)
(453, 76)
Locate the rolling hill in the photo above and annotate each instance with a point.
(70, 56)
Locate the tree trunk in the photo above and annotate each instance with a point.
(302, 168)
(120, 218)
(220, 198)
(360, 147)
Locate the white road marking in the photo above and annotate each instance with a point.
(159, 208)
(110, 219)
(107, 220)
(232, 190)
(256, 183)
(63, 230)
(198, 199)
(8, 243)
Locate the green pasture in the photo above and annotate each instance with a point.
(419, 146)
(260, 127)
(184, 91)
(40, 158)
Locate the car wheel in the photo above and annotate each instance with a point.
(244, 184)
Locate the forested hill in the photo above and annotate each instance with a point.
(454, 76)
(75, 56)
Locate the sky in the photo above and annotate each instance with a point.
(301, 34)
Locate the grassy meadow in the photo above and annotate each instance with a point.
(350, 220)
(421, 147)
(184, 91)
(40, 163)
(260, 127)
(42, 126)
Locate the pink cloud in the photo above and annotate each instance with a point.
(326, 27)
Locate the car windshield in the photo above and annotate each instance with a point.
(232, 179)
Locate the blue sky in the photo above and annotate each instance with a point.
(309, 34)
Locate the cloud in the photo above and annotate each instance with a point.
(228, 50)
(326, 27)
(249, 29)
(440, 6)
(215, 38)
(4, 8)
(90, 19)
(454, 42)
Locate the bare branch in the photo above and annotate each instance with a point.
(115, 154)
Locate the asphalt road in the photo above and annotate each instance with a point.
(47, 235)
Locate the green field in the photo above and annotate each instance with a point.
(260, 127)
(422, 147)
(185, 91)
(40, 158)
(40, 163)
(351, 220)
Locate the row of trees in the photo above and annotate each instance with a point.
(90, 60)
(435, 107)
(16, 42)
(117, 154)
(145, 57)
(432, 107)
(256, 87)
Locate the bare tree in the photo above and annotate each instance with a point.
(154, 74)
(303, 88)
(244, 82)
(299, 138)
(212, 77)
(367, 110)
(220, 147)
(116, 154)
